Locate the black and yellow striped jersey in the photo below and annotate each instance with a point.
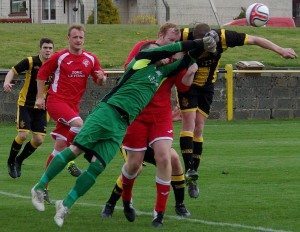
(208, 63)
(30, 66)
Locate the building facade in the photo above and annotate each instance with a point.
(46, 11)
(177, 11)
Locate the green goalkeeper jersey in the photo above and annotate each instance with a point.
(143, 77)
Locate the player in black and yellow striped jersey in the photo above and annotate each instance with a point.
(195, 104)
(29, 118)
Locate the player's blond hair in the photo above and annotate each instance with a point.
(165, 27)
(77, 27)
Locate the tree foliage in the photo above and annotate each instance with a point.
(107, 13)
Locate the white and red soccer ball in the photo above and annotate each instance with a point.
(257, 14)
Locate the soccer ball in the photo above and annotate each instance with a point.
(257, 14)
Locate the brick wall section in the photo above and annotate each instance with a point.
(264, 96)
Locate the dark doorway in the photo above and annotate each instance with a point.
(296, 12)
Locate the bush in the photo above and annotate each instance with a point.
(143, 19)
(107, 13)
(242, 14)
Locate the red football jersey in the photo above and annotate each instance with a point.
(135, 50)
(161, 101)
(70, 74)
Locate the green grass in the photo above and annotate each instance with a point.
(112, 43)
(260, 191)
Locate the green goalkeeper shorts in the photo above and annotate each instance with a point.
(102, 133)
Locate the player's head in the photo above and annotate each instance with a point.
(46, 48)
(200, 30)
(76, 38)
(76, 27)
(168, 33)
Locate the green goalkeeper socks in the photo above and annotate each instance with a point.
(56, 166)
(83, 183)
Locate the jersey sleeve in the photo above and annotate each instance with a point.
(233, 38)
(155, 54)
(186, 34)
(22, 66)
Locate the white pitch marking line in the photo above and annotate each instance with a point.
(220, 224)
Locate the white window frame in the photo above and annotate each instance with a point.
(48, 9)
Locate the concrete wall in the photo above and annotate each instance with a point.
(255, 97)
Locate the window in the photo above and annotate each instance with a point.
(296, 8)
(17, 6)
(48, 10)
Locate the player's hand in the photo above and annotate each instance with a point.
(40, 103)
(289, 53)
(7, 87)
(213, 34)
(193, 68)
(165, 61)
(209, 44)
(101, 77)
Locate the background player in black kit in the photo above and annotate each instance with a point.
(195, 104)
(29, 118)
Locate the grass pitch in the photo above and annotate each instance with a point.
(112, 43)
(249, 180)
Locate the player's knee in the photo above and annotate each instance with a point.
(59, 144)
(78, 122)
(76, 150)
(133, 168)
(22, 136)
(38, 140)
(162, 159)
(175, 162)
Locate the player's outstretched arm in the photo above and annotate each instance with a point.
(287, 53)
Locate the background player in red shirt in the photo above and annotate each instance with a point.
(70, 68)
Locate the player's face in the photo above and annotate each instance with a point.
(46, 50)
(170, 37)
(76, 40)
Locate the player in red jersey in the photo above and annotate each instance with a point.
(71, 68)
(153, 127)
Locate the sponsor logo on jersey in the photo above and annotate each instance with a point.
(86, 62)
(78, 73)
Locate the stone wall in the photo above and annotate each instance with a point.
(267, 96)
(264, 96)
